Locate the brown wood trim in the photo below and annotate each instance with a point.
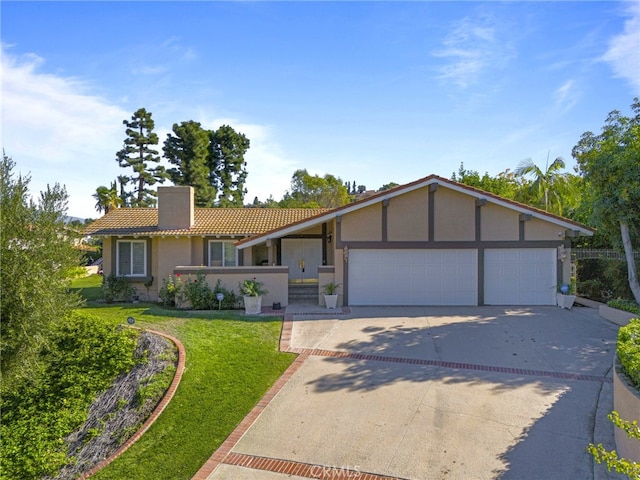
(324, 243)
(185, 270)
(480, 273)
(441, 245)
(385, 207)
(431, 209)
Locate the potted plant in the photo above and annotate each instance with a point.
(565, 296)
(330, 294)
(252, 291)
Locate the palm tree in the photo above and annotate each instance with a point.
(549, 182)
(107, 199)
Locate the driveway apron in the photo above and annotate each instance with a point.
(433, 393)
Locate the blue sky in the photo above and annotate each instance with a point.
(372, 92)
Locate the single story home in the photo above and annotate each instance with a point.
(430, 242)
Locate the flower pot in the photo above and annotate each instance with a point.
(252, 305)
(331, 300)
(566, 301)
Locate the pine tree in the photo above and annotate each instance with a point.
(139, 155)
(226, 161)
(188, 150)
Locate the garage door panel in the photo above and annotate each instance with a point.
(413, 277)
(520, 276)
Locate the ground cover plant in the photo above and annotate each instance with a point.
(231, 361)
(83, 356)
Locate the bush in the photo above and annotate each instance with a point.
(603, 279)
(172, 291)
(231, 301)
(83, 357)
(626, 305)
(628, 348)
(198, 293)
(117, 289)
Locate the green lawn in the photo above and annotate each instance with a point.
(232, 360)
(89, 287)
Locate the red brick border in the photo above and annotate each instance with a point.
(299, 469)
(156, 412)
(454, 365)
(224, 455)
(225, 449)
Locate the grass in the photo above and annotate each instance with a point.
(231, 362)
(89, 287)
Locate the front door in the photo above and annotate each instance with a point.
(303, 256)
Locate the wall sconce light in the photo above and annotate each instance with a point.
(329, 237)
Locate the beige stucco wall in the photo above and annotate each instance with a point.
(499, 223)
(408, 216)
(168, 253)
(626, 401)
(454, 216)
(175, 207)
(107, 260)
(363, 225)
(326, 275)
(275, 279)
(536, 229)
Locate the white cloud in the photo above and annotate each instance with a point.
(57, 131)
(624, 49)
(471, 48)
(565, 96)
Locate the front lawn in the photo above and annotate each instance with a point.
(232, 360)
(89, 287)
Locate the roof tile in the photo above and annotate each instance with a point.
(208, 221)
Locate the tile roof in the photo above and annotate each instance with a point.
(208, 221)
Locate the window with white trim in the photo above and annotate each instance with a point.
(131, 258)
(222, 254)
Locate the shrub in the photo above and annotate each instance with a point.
(628, 348)
(252, 288)
(603, 279)
(626, 305)
(172, 291)
(117, 289)
(610, 458)
(198, 293)
(83, 357)
(231, 301)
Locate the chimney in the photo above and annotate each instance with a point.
(175, 208)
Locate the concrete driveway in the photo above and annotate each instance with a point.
(432, 393)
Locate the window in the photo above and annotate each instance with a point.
(222, 254)
(132, 258)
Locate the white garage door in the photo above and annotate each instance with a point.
(413, 277)
(524, 276)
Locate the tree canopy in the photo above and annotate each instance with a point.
(37, 258)
(188, 150)
(547, 185)
(138, 154)
(610, 164)
(212, 161)
(313, 191)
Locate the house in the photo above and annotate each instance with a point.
(429, 242)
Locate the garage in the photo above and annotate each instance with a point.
(413, 277)
(520, 276)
